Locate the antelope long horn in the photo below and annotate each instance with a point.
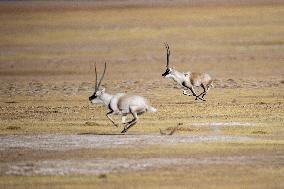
(168, 54)
(96, 76)
(102, 76)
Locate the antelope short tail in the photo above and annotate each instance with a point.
(211, 84)
(151, 109)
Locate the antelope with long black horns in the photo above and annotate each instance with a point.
(188, 80)
(120, 104)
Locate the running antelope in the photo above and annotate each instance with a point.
(120, 104)
(188, 80)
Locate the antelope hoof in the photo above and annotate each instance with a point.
(124, 131)
(184, 93)
(126, 123)
(199, 98)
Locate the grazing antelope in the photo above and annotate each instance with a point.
(120, 104)
(188, 80)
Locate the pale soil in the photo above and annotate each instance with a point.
(61, 142)
(99, 166)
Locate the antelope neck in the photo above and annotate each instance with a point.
(178, 77)
(106, 97)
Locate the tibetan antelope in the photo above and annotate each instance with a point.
(120, 104)
(188, 80)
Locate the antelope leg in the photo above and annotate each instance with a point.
(185, 93)
(123, 119)
(208, 88)
(194, 94)
(109, 117)
(131, 123)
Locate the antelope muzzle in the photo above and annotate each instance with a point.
(92, 97)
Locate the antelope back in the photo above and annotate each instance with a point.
(127, 101)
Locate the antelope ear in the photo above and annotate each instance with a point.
(103, 90)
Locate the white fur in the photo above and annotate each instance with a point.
(123, 104)
(188, 80)
(177, 76)
(185, 80)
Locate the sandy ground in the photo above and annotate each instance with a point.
(52, 137)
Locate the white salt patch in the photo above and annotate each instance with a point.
(224, 124)
(106, 165)
(68, 142)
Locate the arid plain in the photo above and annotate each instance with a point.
(52, 137)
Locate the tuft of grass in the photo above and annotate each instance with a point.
(259, 132)
(89, 123)
(13, 128)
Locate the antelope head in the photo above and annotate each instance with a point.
(99, 91)
(169, 70)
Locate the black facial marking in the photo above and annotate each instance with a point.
(166, 72)
(92, 97)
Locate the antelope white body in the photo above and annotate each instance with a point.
(121, 104)
(188, 80)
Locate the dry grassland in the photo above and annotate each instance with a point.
(233, 140)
